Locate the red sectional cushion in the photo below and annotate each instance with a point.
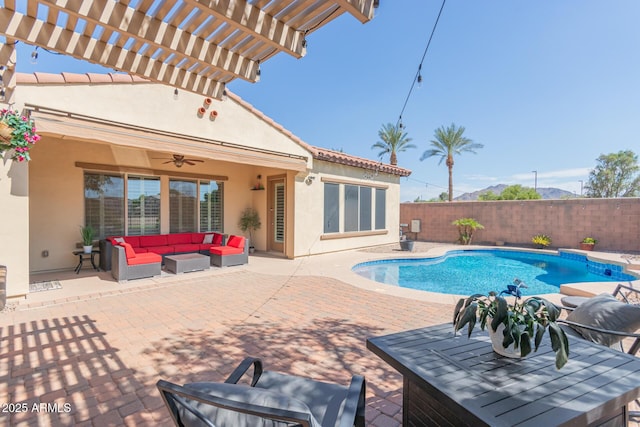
(148, 258)
(197, 237)
(226, 250)
(162, 250)
(178, 238)
(236, 242)
(153, 240)
(190, 247)
(133, 241)
(128, 251)
(140, 250)
(217, 239)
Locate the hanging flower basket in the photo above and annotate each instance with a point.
(17, 133)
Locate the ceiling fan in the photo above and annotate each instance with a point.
(180, 160)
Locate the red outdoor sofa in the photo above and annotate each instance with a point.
(161, 244)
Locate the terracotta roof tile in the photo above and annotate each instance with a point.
(317, 152)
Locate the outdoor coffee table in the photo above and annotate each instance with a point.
(184, 263)
(460, 381)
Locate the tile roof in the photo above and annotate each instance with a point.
(318, 153)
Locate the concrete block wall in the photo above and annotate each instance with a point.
(614, 222)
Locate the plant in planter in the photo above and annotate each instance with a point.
(541, 241)
(466, 228)
(588, 243)
(249, 221)
(17, 133)
(513, 326)
(87, 233)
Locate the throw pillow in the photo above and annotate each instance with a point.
(118, 239)
(208, 238)
(241, 394)
(605, 312)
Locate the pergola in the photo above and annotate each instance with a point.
(195, 45)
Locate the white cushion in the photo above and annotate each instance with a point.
(118, 239)
(208, 239)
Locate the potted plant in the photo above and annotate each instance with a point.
(87, 233)
(249, 221)
(512, 327)
(466, 228)
(17, 133)
(588, 243)
(541, 241)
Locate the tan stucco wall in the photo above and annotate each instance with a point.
(14, 224)
(153, 106)
(309, 221)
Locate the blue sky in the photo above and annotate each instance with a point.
(545, 86)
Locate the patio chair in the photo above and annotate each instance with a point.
(271, 399)
(621, 292)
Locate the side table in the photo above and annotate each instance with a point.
(82, 256)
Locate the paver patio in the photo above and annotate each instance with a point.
(102, 354)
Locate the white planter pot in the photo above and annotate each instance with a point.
(87, 249)
(496, 342)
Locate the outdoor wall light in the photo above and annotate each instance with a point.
(175, 93)
(309, 179)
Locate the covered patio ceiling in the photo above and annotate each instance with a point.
(195, 45)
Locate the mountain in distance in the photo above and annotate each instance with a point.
(546, 193)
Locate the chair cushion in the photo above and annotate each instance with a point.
(325, 400)
(133, 240)
(148, 258)
(197, 237)
(153, 240)
(236, 241)
(225, 250)
(178, 238)
(128, 250)
(242, 394)
(606, 312)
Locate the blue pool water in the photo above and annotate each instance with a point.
(480, 271)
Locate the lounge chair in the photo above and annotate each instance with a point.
(621, 292)
(271, 399)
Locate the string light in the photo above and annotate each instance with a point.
(418, 76)
(258, 72)
(34, 56)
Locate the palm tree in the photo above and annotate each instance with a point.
(393, 141)
(447, 142)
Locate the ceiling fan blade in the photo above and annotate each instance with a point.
(195, 160)
(168, 161)
(189, 162)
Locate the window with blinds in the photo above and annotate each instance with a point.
(104, 204)
(143, 206)
(183, 203)
(278, 229)
(211, 206)
(331, 208)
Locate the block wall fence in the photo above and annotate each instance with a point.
(615, 223)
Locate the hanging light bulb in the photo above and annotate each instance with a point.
(400, 125)
(224, 92)
(34, 56)
(258, 72)
(2, 94)
(175, 93)
(420, 76)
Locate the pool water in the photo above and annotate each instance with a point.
(480, 271)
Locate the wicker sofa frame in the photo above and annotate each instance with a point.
(233, 259)
(121, 271)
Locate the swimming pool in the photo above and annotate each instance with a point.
(467, 272)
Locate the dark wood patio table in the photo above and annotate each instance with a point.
(457, 381)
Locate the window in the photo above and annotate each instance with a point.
(365, 208)
(182, 206)
(278, 230)
(211, 209)
(361, 210)
(331, 208)
(143, 206)
(104, 204)
(381, 208)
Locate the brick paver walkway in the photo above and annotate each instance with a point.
(102, 356)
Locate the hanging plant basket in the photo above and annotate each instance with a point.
(5, 134)
(17, 135)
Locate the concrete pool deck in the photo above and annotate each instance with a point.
(100, 346)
